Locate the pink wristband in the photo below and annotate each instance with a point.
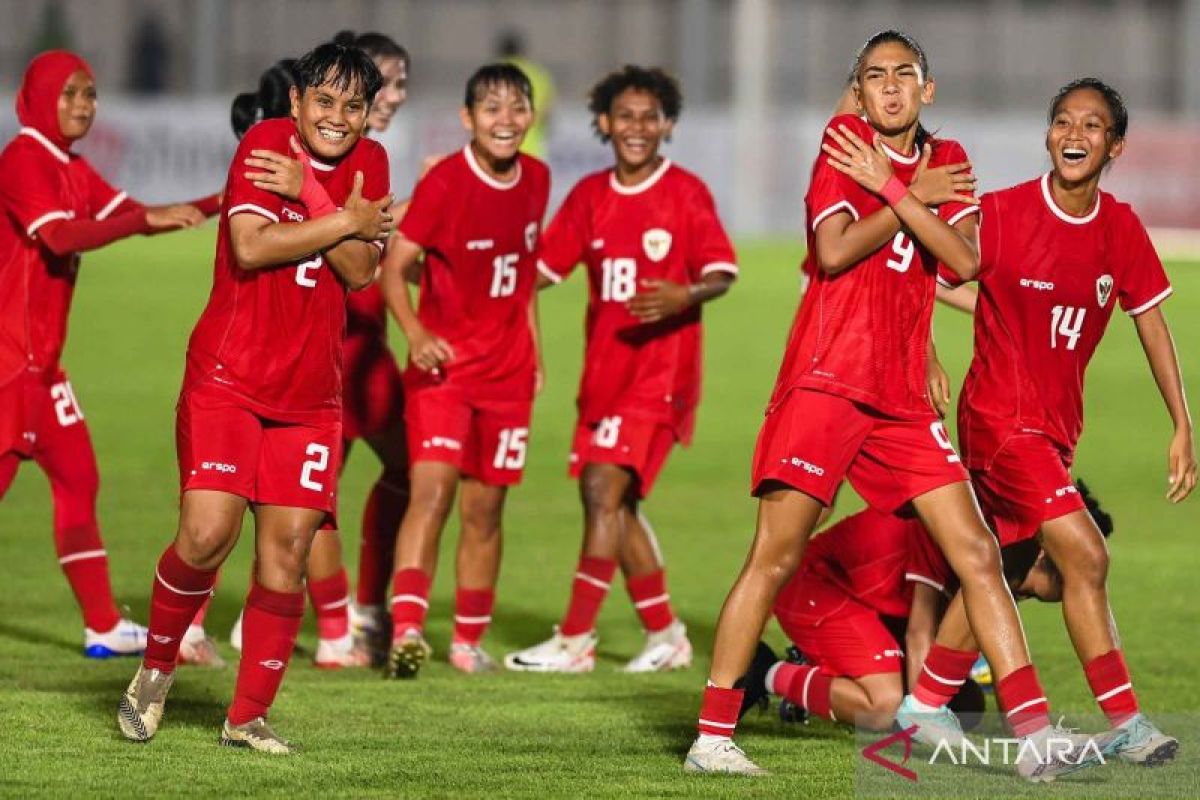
(893, 191)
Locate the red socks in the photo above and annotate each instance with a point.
(1024, 703)
(85, 564)
(805, 685)
(331, 603)
(588, 591)
(410, 601)
(1109, 678)
(650, 598)
(179, 591)
(719, 712)
(380, 524)
(269, 628)
(943, 674)
(472, 614)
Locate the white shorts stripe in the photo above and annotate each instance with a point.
(253, 209)
(653, 601)
(81, 556)
(111, 206)
(176, 589)
(1026, 705)
(1100, 698)
(472, 620)
(593, 581)
(940, 679)
(709, 722)
(415, 599)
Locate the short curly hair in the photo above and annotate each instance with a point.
(646, 79)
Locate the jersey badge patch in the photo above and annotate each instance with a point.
(657, 243)
(531, 232)
(1104, 286)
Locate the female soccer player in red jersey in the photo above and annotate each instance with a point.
(259, 420)
(851, 400)
(56, 206)
(1057, 256)
(470, 383)
(655, 251)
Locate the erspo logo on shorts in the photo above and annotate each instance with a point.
(443, 442)
(811, 469)
(217, 466)
(1063, 492)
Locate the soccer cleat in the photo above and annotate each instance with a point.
(754, 683)
(471, 658)
(409, 653)
(1059, 751)
(371, 626)
(718, 754)
(933, 727)
(1145, 744)
(343, 652)
(198, 649)
(235, 633)
(557, 654)
(126, 638)
(256, 735)
(140, 709)
(665, 650)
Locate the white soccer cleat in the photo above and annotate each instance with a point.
(665, 650)
(471, 658)
(198, 649)
(256, 735)
(343, 652)
(1144, 744)
(235, 633)
(1057, 751)
(934, 728)
(126, 638)
(720, 755)
(557, 654)
(140, 709)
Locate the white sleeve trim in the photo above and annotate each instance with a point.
(913, 577)
(118, 198)
(719, 266)
(841, 205)
(961, 215)
(49, 216)
(945, 283)
(253, 209)
(1144, 307)
(549, 274)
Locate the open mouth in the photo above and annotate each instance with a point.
(505, 137)
(1074, 155)
(893, 107)
(638, 145)
(330, 135)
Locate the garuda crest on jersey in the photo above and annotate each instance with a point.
(657, 243)
(1104, 286)
(531, 232)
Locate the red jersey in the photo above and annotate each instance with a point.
(273, 336)
(872, 558)
(480, 238)
(665, 228)
(863, 333)
(42, 183)
(1048, 285)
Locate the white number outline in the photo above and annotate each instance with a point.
(904, 248)
(943, 441)
(511, 449)
(608, 432)
(66, 407)
(318, 464)
(302, 271)
(1066, 321)
(504, 275)
(618, 279)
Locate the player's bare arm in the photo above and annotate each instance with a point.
(427, 350)
(937, 381)
(355, 258)
(923, 617)
(1159, 346)
(659, 299)
(963, 298)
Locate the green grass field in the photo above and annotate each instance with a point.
(517, 735)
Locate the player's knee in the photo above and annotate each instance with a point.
(431, 500)
(977, 561)
(480, 519)
(598, 493)
(774, 571)
(880, 710)
(203, 543)
(1088, 565)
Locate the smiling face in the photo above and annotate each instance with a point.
(1081, 140)
(637, 127)
(330, 120)
(391, 95)
(891, 89)
(77, 106)
(498, 120)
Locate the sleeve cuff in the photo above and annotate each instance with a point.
(250, 208)
(842, 205)
(111, 206)
(914, 577)
(962, 214)
(49, 216)
(1151, 303)
(548, 273)
(719, 266)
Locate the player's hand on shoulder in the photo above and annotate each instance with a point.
(173, 217)
(864, 162)
(427, 350)
(949, 183)
(1182, 465)
(657, 300)
(275, 172)
(370, 220)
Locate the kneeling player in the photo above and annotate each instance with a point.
(469, 387)
(655, 251)
(259, 418)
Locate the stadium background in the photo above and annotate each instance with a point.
(759, 78)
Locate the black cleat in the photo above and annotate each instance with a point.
(754, 682)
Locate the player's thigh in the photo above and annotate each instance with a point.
(438, 425)
(951, 515)
(499, 442)
(786, 518)
(298, 466)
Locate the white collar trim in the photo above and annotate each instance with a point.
(321, 165)
(902, 159)
(54, 149)
(1064, 216)
(638, 188)
(488, 179)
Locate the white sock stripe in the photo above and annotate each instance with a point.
(653, 601)
(1026, 705)
(177, 590)
(939, 678)
(345, 601)
(729, 725)
(1100, 698)
(81, 556)
(804, 692)
(472, 620)
(416, 599)
(581, 576)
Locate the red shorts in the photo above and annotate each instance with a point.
(225, 447)
(641, 445)
(1028, 482)
(372, 390)
(812, 440)
(32, 408)
(837, 632)
(484, 439)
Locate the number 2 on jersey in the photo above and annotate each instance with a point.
(317, 464)
(305, 270)
(66, 407)
(1067, 322)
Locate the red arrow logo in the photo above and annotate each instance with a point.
(871, 753)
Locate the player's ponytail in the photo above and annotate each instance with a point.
(270, 101)
(379, 46)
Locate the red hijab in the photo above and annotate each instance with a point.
(37, 100)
